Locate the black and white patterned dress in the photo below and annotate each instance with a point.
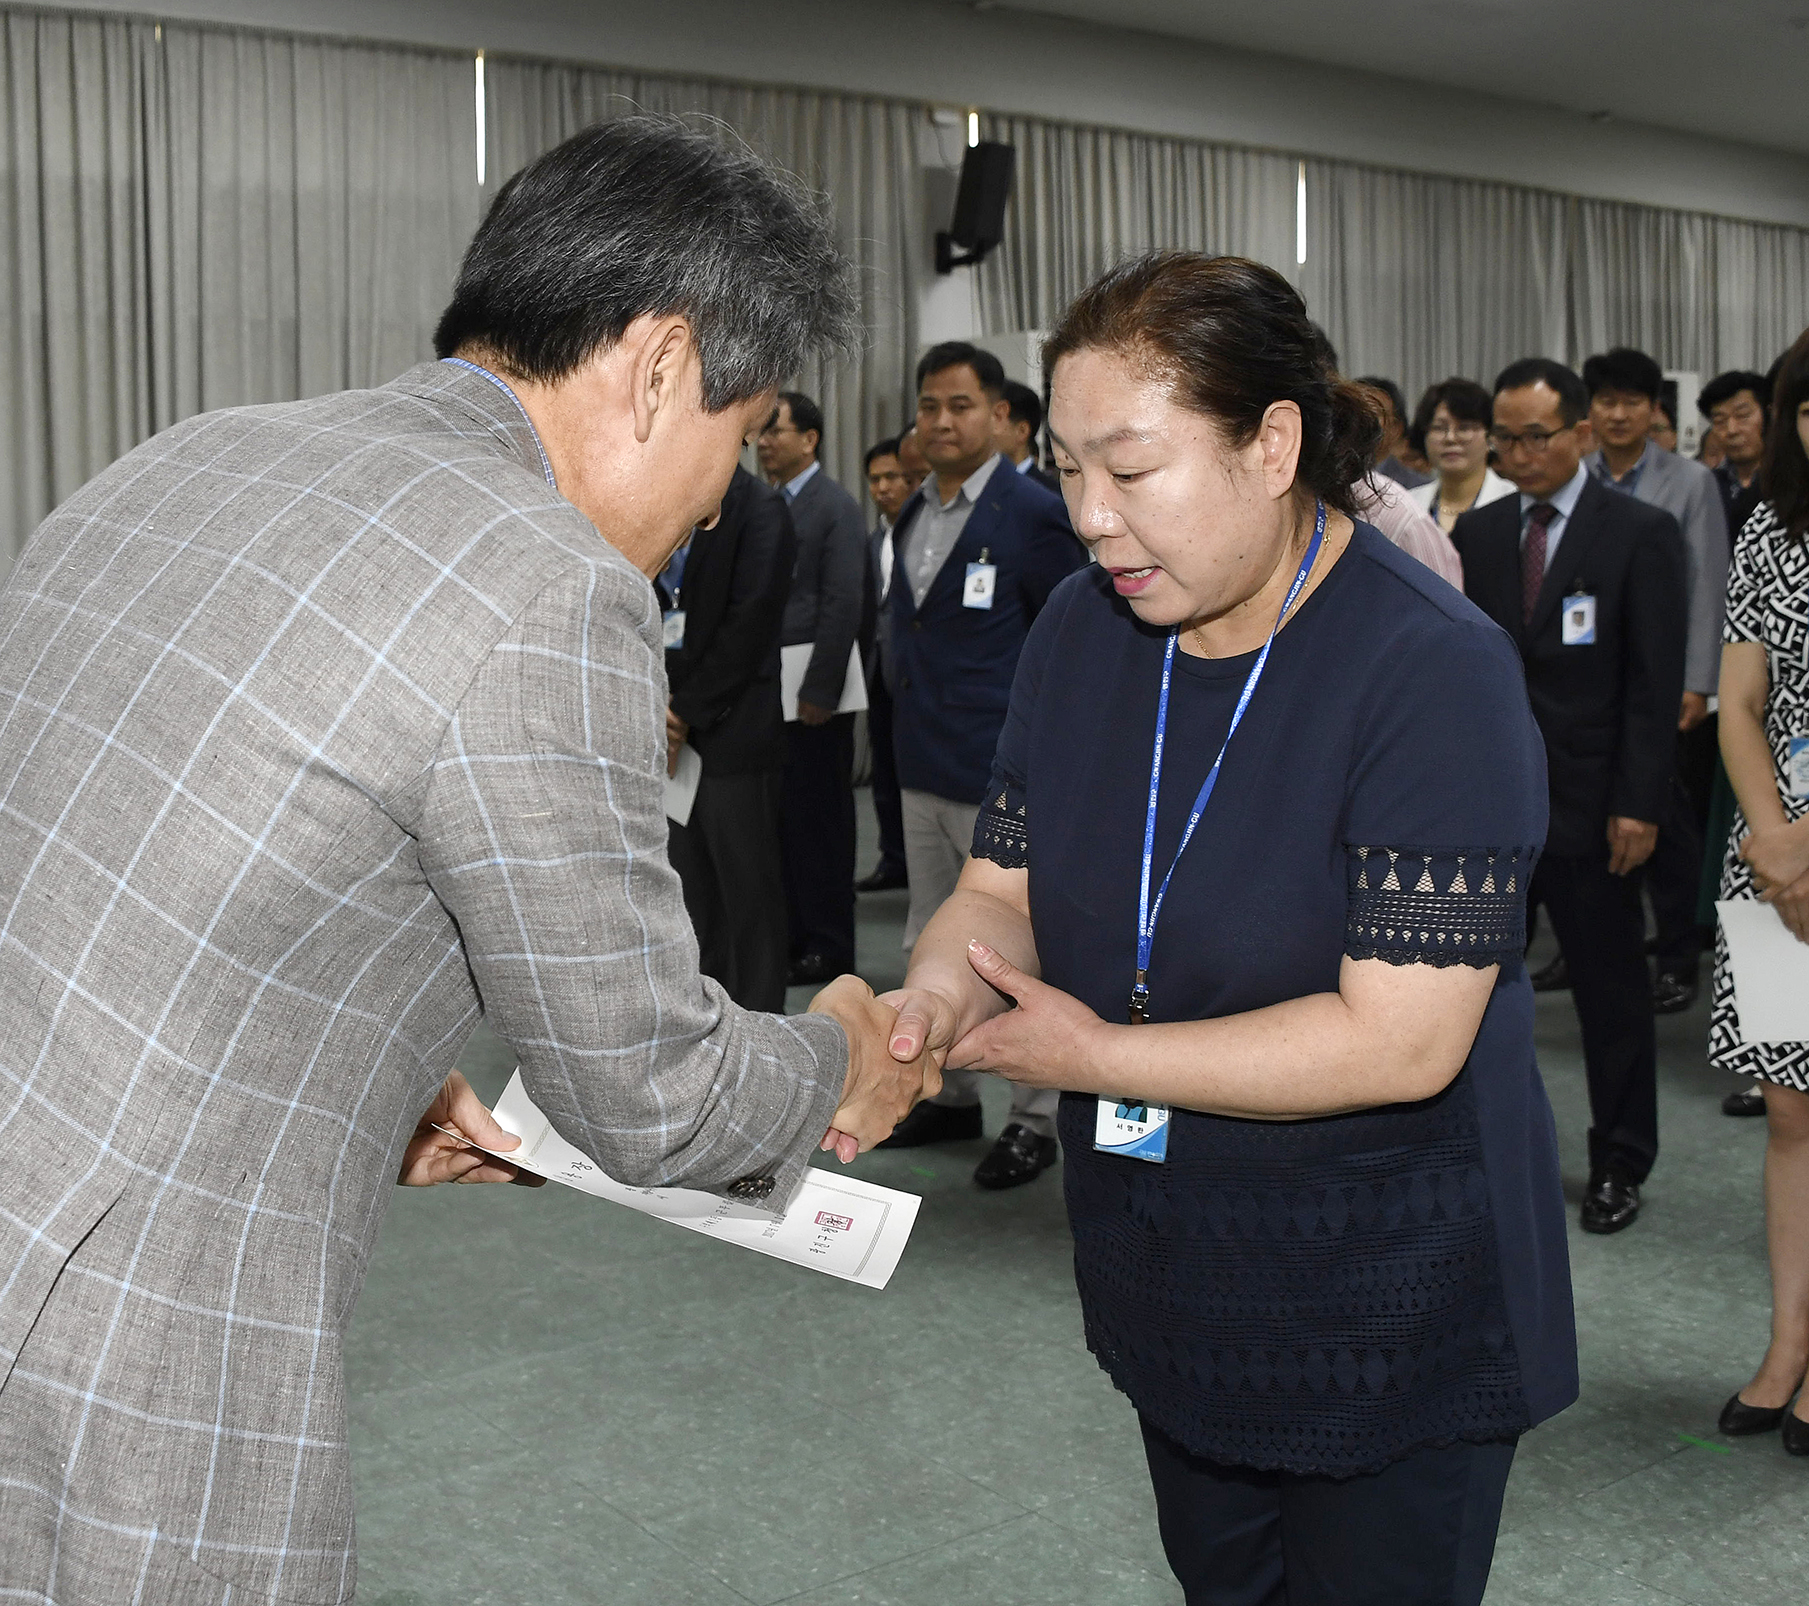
(1768, 602)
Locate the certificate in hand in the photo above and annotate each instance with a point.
(840, 1225)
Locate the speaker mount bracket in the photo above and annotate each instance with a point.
(946, 258)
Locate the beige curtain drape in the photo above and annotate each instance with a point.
(193, 218)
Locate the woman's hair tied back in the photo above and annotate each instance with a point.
(1232, 337)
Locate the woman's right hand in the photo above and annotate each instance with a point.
(1792, 905)
(1778, 856)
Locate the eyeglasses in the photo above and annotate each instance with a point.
(1457, 431)
(1534, 440)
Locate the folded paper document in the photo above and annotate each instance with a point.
(836, 1224)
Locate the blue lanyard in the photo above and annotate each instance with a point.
(1147, 913)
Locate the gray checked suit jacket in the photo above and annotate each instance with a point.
(323, 728)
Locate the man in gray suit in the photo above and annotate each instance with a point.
(1624, 386)
(823, 612)
(324, 728)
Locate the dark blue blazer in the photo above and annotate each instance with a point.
(952, 666)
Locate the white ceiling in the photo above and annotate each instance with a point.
(1734, 68)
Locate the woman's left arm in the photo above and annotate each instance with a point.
(1391, 1034)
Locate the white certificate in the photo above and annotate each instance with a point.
(794, 664)
(836, 1224)
(1771, 972)
(681, 789)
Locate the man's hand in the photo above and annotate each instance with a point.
(676, 732)
(1049, 1040)
(433, 1156)
(1630, 843)
(882, 1087)
(1693, 712)
(813, 714)
(1778, 856)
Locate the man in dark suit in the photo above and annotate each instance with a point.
(887, 486)
(823, 612)
(1591, 585)
(724, 598)
(1016, 439)
(977, 551)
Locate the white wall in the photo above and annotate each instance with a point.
(938, 51)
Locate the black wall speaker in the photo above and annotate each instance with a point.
(979, 221)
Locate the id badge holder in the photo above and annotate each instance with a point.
(977, 590)
(1132, 1128)
(1579, 621)
(1796, 767)
(672, 629)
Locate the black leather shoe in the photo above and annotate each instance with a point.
(1554, 978)
(1672, 994)
(1796, 1435)
(1741, 1421)
(934, 1123)
(884, 878)
(813, 970)
(1019, 1156)
(1748, 1101)
(1611, 1204)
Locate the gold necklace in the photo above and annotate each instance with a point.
(1306, 586)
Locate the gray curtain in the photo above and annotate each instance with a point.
(859, 153)
(1084, 198)
(197, 218)
(1419, 278)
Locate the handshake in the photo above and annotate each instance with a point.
(897, 1045)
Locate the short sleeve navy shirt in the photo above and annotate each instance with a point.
(1320, 1296)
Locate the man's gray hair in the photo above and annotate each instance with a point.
(643, 215)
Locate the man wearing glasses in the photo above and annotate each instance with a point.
(1591, 585)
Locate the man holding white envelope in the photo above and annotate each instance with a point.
(822, 620)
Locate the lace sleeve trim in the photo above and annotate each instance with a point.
(1447, 906)
(1002, 830)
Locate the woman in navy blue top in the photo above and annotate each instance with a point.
(1310, 1166)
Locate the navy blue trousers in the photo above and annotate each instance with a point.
(1419, 1533)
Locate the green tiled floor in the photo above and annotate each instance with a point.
(560, 1403)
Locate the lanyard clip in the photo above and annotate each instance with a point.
(1139, 1001)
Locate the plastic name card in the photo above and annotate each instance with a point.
(982, 579)
(1579, 621)
(1796, 769)
(1132, 1128)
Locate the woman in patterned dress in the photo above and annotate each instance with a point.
(1764, 712)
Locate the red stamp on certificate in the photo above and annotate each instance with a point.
(835, 1223)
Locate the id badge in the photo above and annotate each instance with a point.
(1129, 1127)
(1796, 769)
(1579, 621)
(981, 579)
(672, 628)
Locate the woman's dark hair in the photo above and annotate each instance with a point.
(1232, 338)
(1463, 399)
(642, 215)
(1784, 470)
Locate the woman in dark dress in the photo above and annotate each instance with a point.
(1310, 1166)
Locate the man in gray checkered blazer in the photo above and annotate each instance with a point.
(325, 728)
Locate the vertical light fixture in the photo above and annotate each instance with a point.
(1300, 218)
(481, 141)
(973, 129)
